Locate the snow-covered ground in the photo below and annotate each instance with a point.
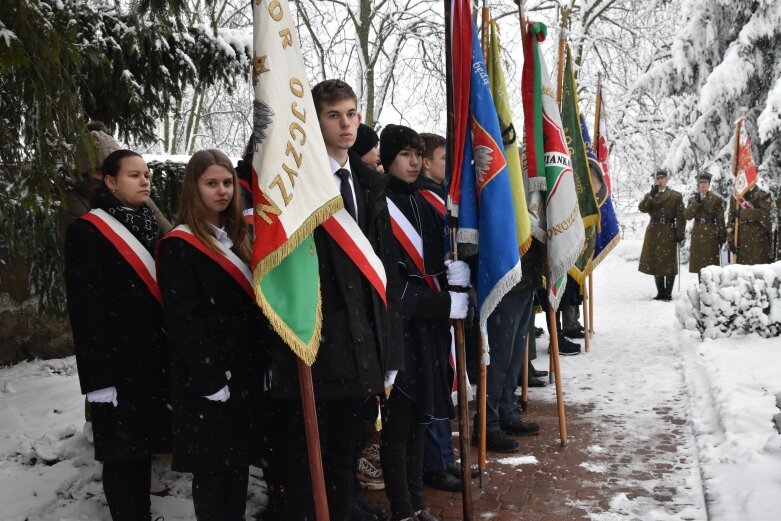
(642, 366)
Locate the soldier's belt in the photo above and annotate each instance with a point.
(703, 220)
(663, 221)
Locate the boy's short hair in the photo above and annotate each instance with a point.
(431, 142)
(332, 91)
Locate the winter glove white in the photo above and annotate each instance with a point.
(457, 273)
(220, 396)
(459, 303)
(107, 395)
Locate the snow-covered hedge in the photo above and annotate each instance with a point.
(734, 300)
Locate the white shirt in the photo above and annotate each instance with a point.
(338, 180)
(222, 236)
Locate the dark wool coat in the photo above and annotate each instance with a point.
(667, 227)
(361, 338)
(215, 327)
(754, 230)
(118, 331)
(426, 375)
(708, 232)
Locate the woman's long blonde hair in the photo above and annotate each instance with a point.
(192, 212)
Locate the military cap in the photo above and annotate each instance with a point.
(662, 173)
(704, 176)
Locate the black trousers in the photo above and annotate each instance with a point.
(664, 285)
(220, 496)
(340, 428)
(126, 486)
(402, 456)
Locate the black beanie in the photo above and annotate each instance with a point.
(393, 139)
(365, 140)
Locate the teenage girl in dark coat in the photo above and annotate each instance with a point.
(216, 332)
(118, 331)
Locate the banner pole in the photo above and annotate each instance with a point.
(313, 441)
(735, 151)
(458, 325)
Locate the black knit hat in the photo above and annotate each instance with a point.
(393, 139)
(365, 140)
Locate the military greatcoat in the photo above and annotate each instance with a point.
(708, 232)
(754, 230)
(667, 227)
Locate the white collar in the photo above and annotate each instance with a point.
(222, 236)
(336, 166)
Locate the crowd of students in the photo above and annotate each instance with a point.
(175, 356)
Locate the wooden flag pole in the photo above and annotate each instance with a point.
(597, 119)
(313, 441)
(554, 334)
(586, 317)
(482, 384)
(525, 372)
(735, 152)
(590, 327)
(458, 325)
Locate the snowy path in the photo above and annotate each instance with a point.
(660, 424)
(633, 382)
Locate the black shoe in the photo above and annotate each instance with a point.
(567, 347)
(425, 515)
(498, 441)
(534, 372)
(535, 382)
(519, 427)
(538, 331)
(454, 469)
(362, 510)
(666, 298)
(574, 333)
(442, 480)
(658, 297)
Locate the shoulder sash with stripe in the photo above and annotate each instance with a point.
(348, 235)
(229, 261)
(411, 241)
(435, 200)
(128, 246)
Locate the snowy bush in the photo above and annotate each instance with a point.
(734, 300)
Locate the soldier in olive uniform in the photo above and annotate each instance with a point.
(753, 214)
(708, 232)
(667, 227)
(778, 229)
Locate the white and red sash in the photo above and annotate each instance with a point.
(410, 240)
(349, 236)
(435, 200)
(229, 261)
(128, 247)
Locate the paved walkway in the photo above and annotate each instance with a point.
(595, 473)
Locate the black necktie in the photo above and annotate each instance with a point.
(347, 191)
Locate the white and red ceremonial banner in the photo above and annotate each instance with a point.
(745, 168)
(295, 191)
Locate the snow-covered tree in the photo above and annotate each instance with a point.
(725, 62)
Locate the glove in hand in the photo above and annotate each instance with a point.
(459, 304)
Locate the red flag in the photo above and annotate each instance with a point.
(746, 170)
(461, 44)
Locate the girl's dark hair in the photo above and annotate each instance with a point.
(111, 166)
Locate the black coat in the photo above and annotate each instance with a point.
(361, 338)
(118, 331)
(215, 327)
(426, 375)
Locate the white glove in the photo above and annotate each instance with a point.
(390, 377)
(457, 273)
(107, 395)
(220, 396)
(459, 303)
